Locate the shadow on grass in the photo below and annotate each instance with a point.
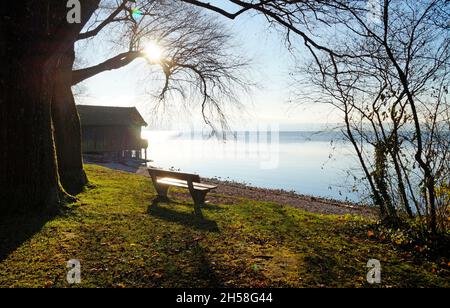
(210, 207)
(15, 229)
(205, 272)
(195, 220)
(328, 269)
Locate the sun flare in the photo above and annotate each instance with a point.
(153, 51)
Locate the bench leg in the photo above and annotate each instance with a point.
(162, 190)
(199, 197)
(199, 201)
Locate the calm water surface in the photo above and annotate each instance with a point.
(305, 162)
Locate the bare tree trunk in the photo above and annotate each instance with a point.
(401, 181)
(429, 180)
(376, 195)
(67, 128)
(32, 44)
(29, 175)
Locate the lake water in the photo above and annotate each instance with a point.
(308, 163)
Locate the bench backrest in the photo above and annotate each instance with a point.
(159, 173)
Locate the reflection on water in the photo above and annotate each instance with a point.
(305, 162)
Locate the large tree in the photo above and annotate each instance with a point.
(35, 35)
(40, 129)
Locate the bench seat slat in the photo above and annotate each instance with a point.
(183, 184)
(173, 174)
(205, 185)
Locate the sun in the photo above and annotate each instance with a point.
(153, 51)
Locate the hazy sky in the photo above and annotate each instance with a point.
(268, 104)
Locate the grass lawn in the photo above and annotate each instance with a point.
(124, 240)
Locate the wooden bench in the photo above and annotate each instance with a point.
(163, 179)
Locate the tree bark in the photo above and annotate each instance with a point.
(29, 176)
(67, 132)
(34, 36)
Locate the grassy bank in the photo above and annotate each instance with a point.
(123, 239)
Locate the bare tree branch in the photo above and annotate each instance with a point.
(111, 18)
(116, 62)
